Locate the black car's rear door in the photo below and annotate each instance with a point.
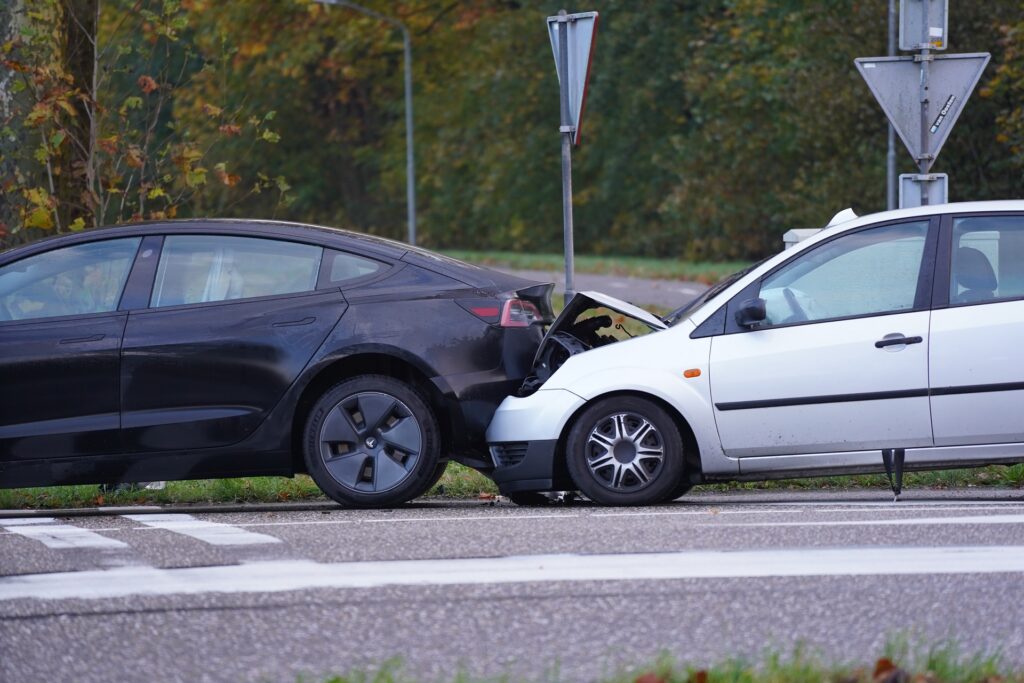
(231, 323)
(60, 335)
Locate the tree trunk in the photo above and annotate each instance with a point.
(75, 191)
(11, 15)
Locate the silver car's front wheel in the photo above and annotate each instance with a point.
(625, 450)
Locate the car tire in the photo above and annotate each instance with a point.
(372, 441)
(625, 450)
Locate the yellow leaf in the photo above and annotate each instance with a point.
(156, 192)
(77, 225)
(39, 218)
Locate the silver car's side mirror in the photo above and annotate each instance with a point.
(751, 313)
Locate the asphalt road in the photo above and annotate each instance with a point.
(492, 589)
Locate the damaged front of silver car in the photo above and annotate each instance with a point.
(525, 465)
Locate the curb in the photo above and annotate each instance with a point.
(163, 509)
(311, 506)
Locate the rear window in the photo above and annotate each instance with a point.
(341, 267)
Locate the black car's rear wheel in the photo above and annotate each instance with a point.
(625, 450)
(372, 441)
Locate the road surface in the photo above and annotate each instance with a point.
(493, 589)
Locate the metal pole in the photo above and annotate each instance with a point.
(891, 179)
(566, 131)
(410, 156)
(924, 162)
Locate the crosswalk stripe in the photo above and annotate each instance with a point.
(213, 533)
(59, 536)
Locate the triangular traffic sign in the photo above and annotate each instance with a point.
(582, 36)
(896, 84)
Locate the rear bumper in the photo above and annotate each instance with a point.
(472, 397)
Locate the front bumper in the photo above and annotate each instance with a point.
(524, 437)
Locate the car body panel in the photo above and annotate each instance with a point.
(61, 387)
(770, 398)
(977, 346)
(203, 376)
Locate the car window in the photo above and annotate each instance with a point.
(344, 267)
(204, 268)
(77, 280)
(863, 273)
(988, 259)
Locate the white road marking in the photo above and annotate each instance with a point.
(710, 512)
(290, 575)
(970, 520)
(213, 533)
(59, 536)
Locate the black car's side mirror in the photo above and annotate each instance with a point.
(751, 313)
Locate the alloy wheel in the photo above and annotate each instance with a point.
(370, 442)
(625, 452)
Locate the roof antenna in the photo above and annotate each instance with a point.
(893, 459)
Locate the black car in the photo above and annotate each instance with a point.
(224, 348)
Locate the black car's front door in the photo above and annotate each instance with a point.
(60, 336)
(232, 322)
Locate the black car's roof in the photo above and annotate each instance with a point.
(322, 235)
(284, 229)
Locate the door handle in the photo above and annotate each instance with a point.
(897, 341)
(82, 340)
(294, 323)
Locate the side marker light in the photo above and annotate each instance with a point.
(690, 374)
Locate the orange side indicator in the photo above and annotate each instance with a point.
(690, 374)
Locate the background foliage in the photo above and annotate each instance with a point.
(712, 126)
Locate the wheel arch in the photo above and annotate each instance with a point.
(691, 447)
(367, 362)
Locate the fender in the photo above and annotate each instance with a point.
(621, 367)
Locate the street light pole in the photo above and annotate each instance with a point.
(410, 157)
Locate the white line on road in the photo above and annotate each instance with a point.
(971, 520)
(278, 576)
(59, 536)
(709, 513)
(213, 533)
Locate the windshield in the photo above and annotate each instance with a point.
(684, 312)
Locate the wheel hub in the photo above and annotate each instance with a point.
(371, 442)
(624, 451)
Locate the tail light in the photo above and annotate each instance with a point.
(506, 313)
(519, 313)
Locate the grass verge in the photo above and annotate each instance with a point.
(632, 266)
(943, 663)
(458, 482)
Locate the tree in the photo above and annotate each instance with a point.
(89, 135)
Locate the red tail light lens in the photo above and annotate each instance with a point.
(519, 313)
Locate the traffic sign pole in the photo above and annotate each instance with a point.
(566, 130)
(924, 161)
